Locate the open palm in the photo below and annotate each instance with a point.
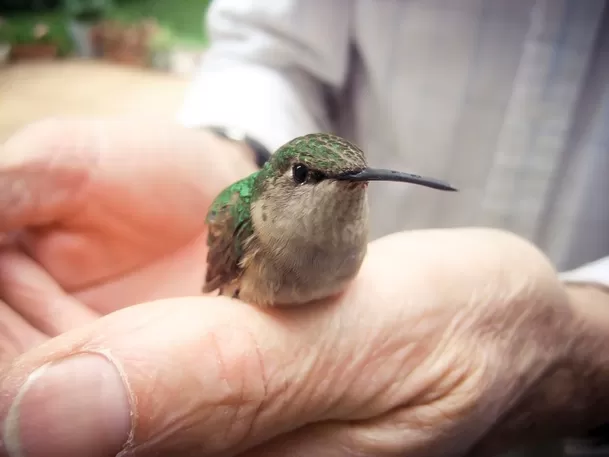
(113, 210)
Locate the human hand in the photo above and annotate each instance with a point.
(436, 339)
(113, 209)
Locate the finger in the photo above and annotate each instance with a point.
(334, 439)
(347, 439)
(178, 274)
(408, 431)
(184, 375)
(16, 335)
(32, 293)
(52, 168)
(44, 170)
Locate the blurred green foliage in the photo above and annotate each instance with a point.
(183, 19)
(21, 29)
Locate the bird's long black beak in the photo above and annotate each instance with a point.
(376, 174)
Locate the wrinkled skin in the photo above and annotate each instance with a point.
(438, 335)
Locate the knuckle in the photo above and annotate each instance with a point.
(45, 167)
(243, 391)
(63, 144)
(217, 403)
(47, 131)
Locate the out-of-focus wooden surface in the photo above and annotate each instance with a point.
(37, 90)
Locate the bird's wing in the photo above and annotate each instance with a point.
(229, 226)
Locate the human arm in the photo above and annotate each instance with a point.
(571, 400)
(270, 67)
(588, 287)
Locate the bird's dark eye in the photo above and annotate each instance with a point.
(300, 173)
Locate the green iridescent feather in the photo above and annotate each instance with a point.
(230, 225)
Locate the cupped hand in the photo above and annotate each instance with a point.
(112, 209)
(435, 340)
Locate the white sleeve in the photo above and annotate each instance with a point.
(595, 272)
(268, 66)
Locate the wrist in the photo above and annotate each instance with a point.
(571, 399)
(255, 150)
(590, 302)
(239, 156)
(590, 359)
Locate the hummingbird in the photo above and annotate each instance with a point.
(295, 231)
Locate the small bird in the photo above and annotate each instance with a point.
(296, 230)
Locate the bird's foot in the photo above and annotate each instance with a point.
(211, 292)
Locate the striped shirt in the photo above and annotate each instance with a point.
(508, 100)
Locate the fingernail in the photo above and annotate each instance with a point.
(75, 407)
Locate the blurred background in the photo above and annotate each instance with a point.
(96, 57)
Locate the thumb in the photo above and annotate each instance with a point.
(178, 377)
(43, 171)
